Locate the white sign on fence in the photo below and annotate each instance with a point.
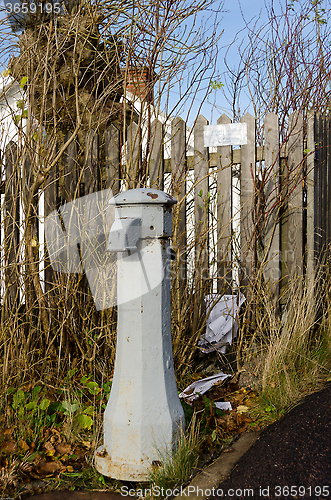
(225, 134)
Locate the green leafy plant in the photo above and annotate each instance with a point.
(34, 411)
(23, 82)
(69, 408)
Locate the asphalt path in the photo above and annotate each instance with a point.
(292, 457)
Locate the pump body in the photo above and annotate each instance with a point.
(144, 418)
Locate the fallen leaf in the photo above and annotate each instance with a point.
(86, 444)
(49, 447)
(70, 468)
(48, 468)
(63, 449)
(23, 445)
(8, 447)
(85, 421)
(243, 429)
(238, 398)
(56, 436)
(80, 454)
(242, 409)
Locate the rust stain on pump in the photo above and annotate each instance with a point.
(103, 453)
(153, 195)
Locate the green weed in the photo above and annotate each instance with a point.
(175, 467)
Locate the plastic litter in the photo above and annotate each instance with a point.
(194, 390)
(222, 325)
(223, 405)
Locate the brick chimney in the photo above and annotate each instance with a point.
(140, 83)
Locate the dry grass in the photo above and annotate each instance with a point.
(177, 466)
(293, 350)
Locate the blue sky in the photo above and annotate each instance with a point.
(236, 14)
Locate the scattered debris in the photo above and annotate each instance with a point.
(221, 414)
(223, 405)
(194, 390)
(222, 325)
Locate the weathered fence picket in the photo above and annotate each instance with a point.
(92, 167)
(178, 173)
(311, 194)
(133, 156)
(295, 172)
(247, 191)
(224, 214)
(11, 226)
(69, 180)
(201, 196)
(271, 252)
(113, 159)
(156, 158)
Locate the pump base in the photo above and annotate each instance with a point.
(128, 471)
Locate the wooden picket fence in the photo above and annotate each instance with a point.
(285, 194)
